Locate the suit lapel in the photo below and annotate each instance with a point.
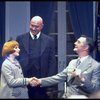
(25, 41)
(43, 43)
(86, 64)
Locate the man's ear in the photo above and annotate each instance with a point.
(42, 25)
(86, 47)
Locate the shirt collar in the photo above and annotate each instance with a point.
(38, 35)
(83, 58)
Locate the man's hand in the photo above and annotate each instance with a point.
(78, 72)
(35, 81)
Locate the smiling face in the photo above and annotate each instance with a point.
(81, 45)
(17, 50)
(36, 25)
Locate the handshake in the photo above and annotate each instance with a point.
(34, 81)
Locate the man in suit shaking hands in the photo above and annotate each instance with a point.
(82, 79)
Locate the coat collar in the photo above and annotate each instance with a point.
(26, 42)
(86, 64)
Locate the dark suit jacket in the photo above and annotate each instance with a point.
(48, 64)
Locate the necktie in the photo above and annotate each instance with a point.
(35, 37)
(78, 63)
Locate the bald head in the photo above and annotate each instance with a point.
(36, 25)
(37, 19)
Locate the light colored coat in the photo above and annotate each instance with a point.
(13, 84)
(91, 71)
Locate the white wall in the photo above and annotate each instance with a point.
(17, 18)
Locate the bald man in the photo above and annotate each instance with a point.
(37, 56)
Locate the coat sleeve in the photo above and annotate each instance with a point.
(55, 79)
(9, 75)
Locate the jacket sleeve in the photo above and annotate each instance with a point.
(55, 79)
(9, 76)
